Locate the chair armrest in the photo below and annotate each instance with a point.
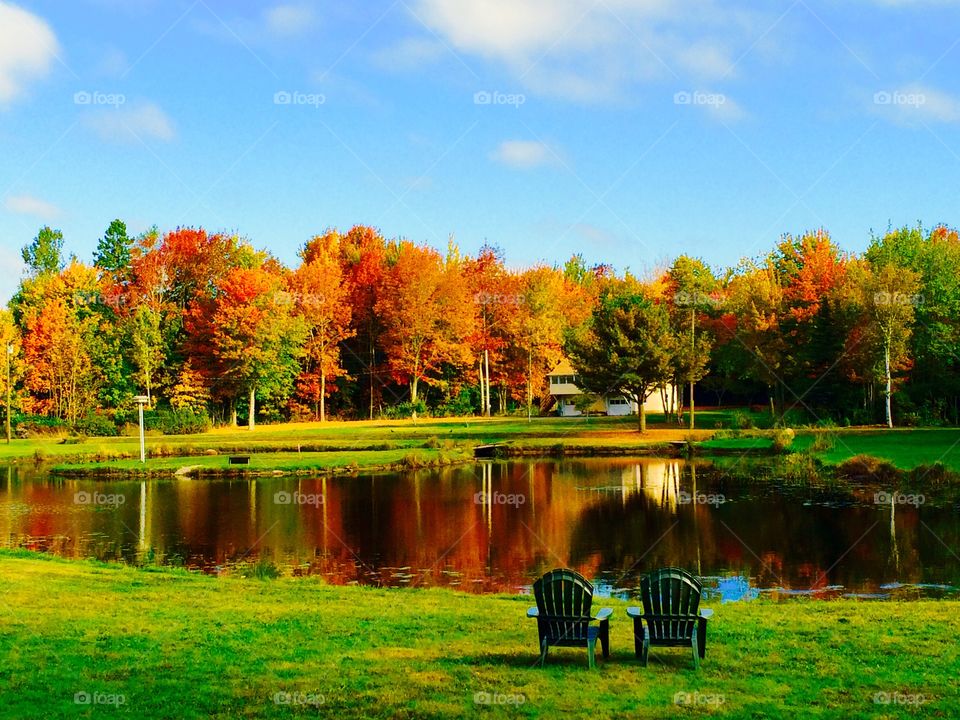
(533, 612)
(604, 614)
(634, 612)
(706, 613)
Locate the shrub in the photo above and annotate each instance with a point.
(462, 404)
(782, 439)
(182, 422)
(741, 420)
(867, 466)
(96, 424)
(29, 426)
(824, 442)
(405, 410)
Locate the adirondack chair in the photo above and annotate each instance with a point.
(563, 614)
(671, 616)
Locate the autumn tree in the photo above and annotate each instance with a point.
(44, 256)
(60, 329)
(320, 298)
(890, 298)
(427, 316)
(364, 269)
(245, 338)
(625, 347)
(693, 291)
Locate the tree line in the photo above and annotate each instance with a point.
(212, 329)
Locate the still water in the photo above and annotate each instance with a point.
(494, 527)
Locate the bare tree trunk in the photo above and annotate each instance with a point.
(486, 360)
(529, 384)
(252, 422)
(483, 389)
(413, 395)
(642, 413)
(233, 412)
(372, 353)
(691, 405)
(323, 396)
(888, 391)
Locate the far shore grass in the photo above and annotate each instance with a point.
(175, 644)
(366, 445)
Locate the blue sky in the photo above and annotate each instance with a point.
(627, 130)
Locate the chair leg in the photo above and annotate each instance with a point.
(605, 638)
(702, 636)
(591, 652)
(645, 650)
(544, 646)
(696, 651)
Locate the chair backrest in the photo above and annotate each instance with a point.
(671, 593)
(563, 601)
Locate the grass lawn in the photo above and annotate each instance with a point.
(283, 461)
(368, 444)
(904, 448)
(174, 644)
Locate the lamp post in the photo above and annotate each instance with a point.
(142, 400)
(9, 360)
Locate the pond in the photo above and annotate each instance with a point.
(496, 526)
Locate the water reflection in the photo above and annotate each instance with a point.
(496, 526)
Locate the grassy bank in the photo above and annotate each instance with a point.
(174, 644)
(379, 444)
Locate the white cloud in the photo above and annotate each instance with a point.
(30, 205)
(285, 20)
(589, 51)
(916, 104)
(523, 154)
(125, 124)
(27, 49)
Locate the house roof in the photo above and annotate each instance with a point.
(563, 368)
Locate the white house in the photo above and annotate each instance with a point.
(563, 387)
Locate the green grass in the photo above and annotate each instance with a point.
(738, 443)
(375, 444)
(174, 644)
(281, 462)
(904, 448)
